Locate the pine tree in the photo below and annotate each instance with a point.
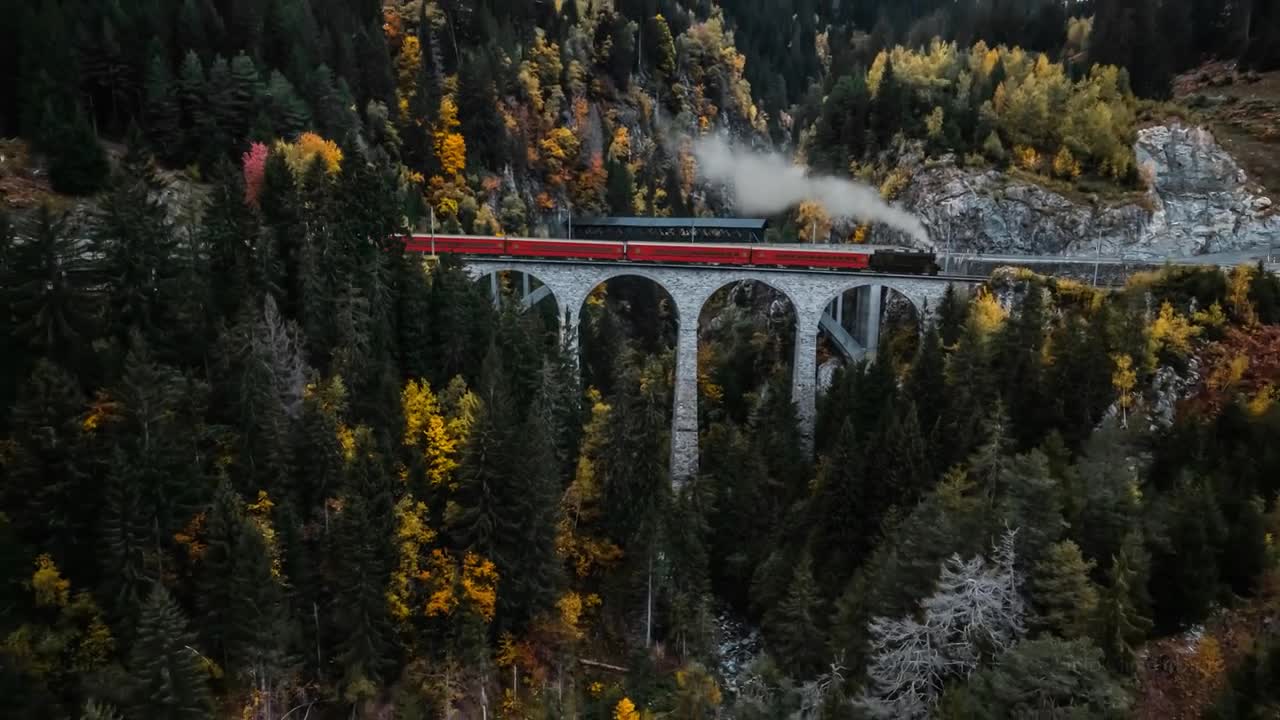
(240, 598)
(288, 113)
(794, 628)
(620, 188)
(1061, 588)
(168, 681)
(952, 313)
(163, 111)
(1121, 626)
(1018, 359)
(77, 162)
(364, 541)
(478, 111)
(47, 478)
(840, 493)
(51, 295)
(136, 248)
(197, 121)
(927, 384)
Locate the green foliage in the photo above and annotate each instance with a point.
(1043, 677)
(1061, 587)
(168, 679)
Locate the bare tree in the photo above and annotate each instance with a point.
(976, 612)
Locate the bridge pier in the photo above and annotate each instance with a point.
(804, 374)
(874, 308)
(684, 421)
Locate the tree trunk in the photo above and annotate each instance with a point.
(648, 609)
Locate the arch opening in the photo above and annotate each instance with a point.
(746, 350)
(623, 314)
(860, 322)
(522, 292)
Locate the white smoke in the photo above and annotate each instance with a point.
(768, 183)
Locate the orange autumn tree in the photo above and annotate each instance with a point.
(300, 154)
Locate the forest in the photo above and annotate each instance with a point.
(258, 461)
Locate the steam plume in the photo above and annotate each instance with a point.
(768, 183)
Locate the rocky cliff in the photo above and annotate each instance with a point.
(1197, 202)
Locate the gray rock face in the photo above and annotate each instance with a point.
(1197, 203)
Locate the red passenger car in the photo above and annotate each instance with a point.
(568, 249)
(824, 259)
(460, 244)
(689, 253)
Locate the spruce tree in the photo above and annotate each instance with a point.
(136, 248)
(77, 162)
(47, 476)
(51, 296)
(163, 111)
(288, 113)
(168, 681)
(926, 385)
(952, 313)
(197, 120)
(240, 598)
(1061, 589)
(840, 493)
(795, 628)
(1018, 359)
(1121, 625)
(364, 544)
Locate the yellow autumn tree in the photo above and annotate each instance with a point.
(50, 588)
(413, 535)
(259, 512)
(300, 154)
(1065, 164)
(451, 586)
(450, 146)
(577, 539)
(1239, 283)
(1124, 380)
(986, 313)
(625, 710)
(813, 222)
(426, 431)
(408, 63)
(1170, 332)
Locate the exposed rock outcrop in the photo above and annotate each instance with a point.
(1197, 203)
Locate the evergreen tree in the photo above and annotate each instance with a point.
(163, 110)
(51, 295)
(889, 107)
(364, 541)
(842, 491)
(482, 124)
(507, 496)
(46, 476)
(137, 249)
(1061, 588)
(240, 598)
(167, 679)
(77, 162)
(1121, 626)
(1018, 355)
(619, 188)
(952, 313)
(927, 384)
(794, 628)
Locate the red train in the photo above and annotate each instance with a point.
(888, 260)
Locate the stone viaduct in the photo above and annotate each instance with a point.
(816, 297)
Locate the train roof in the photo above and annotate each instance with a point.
(675, 222)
